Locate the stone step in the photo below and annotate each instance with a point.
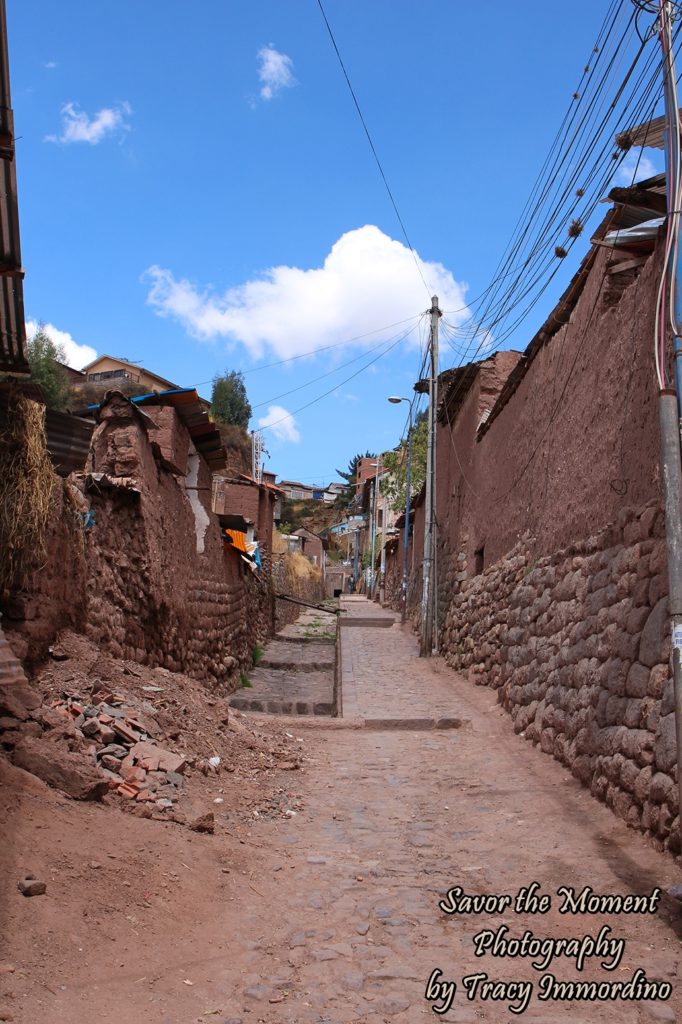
(373, 621)
(291, 657)
(281, 707)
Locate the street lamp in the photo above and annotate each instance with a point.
(395, 400)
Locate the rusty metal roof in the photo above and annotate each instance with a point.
(650, 133)
(12, 326)
(68, 440)
(68, 437)
(263, 483)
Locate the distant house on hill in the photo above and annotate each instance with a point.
(109, 371)
(296, 491)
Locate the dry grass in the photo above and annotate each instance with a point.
(279, 545)
(27, 486)
(301, 567)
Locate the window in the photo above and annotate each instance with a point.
(479, 560)
(108, 375)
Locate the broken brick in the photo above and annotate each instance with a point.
(125, 731)
(167, 761)
(127, 791)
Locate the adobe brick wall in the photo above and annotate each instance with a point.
(150, 580)
(560, 500)
(238, 499)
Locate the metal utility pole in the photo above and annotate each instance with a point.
(356, 533)
(382, 574)
(395, 399)
(670, 401)
(428, 581)
(375, 501)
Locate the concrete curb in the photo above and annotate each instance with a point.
(299, 722)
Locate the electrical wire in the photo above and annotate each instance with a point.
(319, 398)
(492, 316)
(373, 149)
(484, 329)
(322, 376)
(449, 332)
(323, 348)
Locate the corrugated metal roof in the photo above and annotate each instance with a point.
(68, 437)
(68, 440)
(650, 133)
(12, 326)
(263, 483)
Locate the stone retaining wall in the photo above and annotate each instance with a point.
(286, 581)
(577, 645)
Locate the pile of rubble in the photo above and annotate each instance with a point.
(98, 728)
(122, 742)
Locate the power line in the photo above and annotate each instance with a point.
(373, 148)
(322, 376)
(512, 298)
(329, 392)
(544, 232)
(323, 348)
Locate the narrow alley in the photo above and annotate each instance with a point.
(340, 512)
(331, 914)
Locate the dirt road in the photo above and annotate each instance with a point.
(331, 914)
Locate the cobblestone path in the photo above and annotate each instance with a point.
(332, 916)
(346, 926)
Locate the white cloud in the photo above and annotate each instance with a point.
(275, 71)
(75, 355)
(78, 127)
(635, 167)
(51, 65)
(367, 280)
(281, 422)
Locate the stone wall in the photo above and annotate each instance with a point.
(285, 580)
(552, 576)
(577, 645)
(149, 578)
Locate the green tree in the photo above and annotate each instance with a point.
(45, 359)
(395, 486)
(229, 402)
(350, 475)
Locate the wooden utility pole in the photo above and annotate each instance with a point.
(428, 581)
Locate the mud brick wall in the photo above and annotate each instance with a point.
(149, 580)
(577, 645)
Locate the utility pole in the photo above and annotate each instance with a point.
(669, 400)
(428, 581)
(396, 400)
(406, 539)
(356, 533)
(375, 502)
(382, 576)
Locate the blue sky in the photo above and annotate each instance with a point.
(196, 192)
